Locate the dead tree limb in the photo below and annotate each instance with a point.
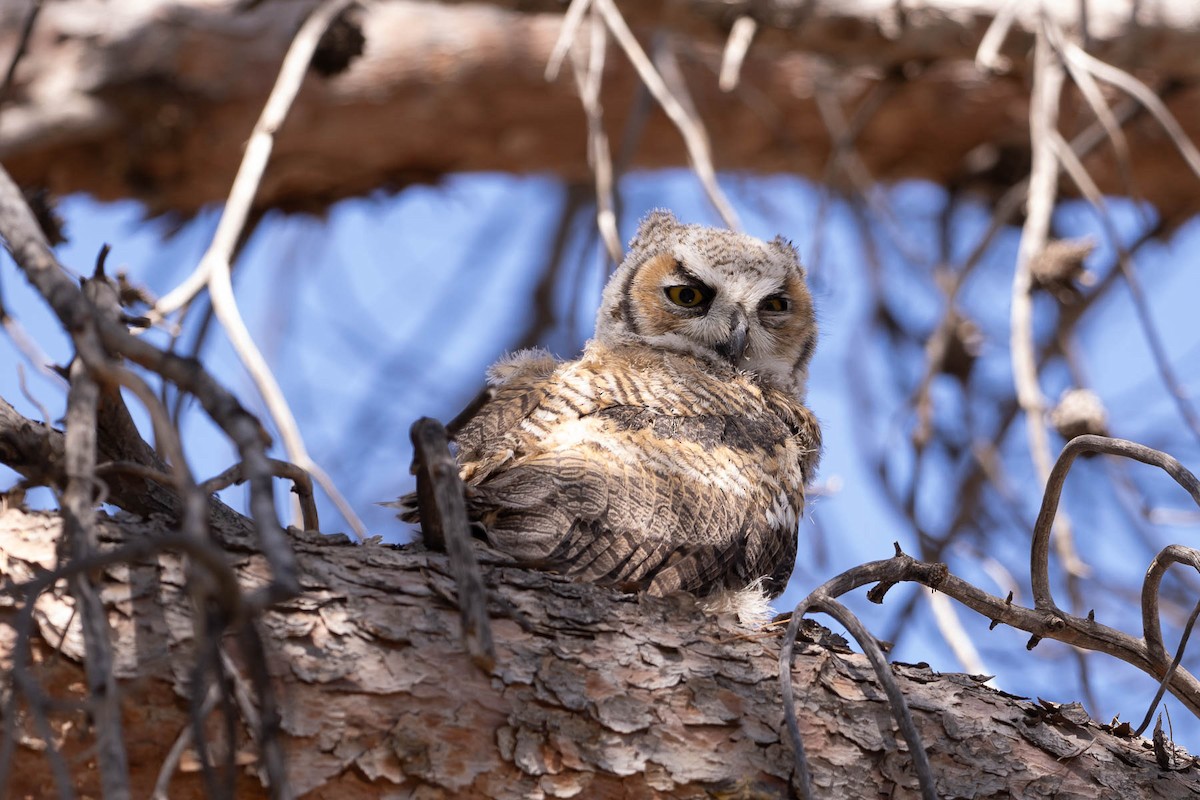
(603, 694)
(154, 101)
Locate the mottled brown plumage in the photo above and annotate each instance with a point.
(672, 455)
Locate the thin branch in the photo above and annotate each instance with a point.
(79, 534)
(1141, 303)
(301, 485)
(138, 470)
(19, 53)
(691, 129)
(32, 254)
(1151, 588)
(883, 670)
(588, 79)
(1123, 80)
(29, 396)
(1166, 679)
(269, 722)
(27, 347)
(803, 771)
(1048, 79)
(566, 37)
(1095, 99)
(444, 524)
(170, 764)
(213, 270)
(254, 163)
(1039, 569)
(987, 56)
(736, 47)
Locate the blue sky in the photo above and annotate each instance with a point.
(392, 307)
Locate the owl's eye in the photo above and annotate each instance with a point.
(776, 304)
(688, 296)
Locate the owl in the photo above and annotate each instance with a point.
(672, 455)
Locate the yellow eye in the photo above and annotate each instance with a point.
(687, 296)
(776, 304)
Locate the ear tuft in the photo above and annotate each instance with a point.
(786, 247)
(655, 225)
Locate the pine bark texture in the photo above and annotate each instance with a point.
(154, 99)
(595, 693)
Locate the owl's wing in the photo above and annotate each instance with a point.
(581, 513)
(518, 384)
(654, 502)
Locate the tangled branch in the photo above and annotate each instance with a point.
(1046, 620)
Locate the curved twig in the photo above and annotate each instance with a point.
(1166, 679)
(1039, 569)
(1151, 619)
(803, 771)
(301, 485)
(213, 270)
(883, 671)
(22, 48)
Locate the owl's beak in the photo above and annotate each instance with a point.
(734, 347)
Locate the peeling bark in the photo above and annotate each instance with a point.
(153, 99)
(595, 693)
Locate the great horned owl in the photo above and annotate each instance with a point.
(672, 455)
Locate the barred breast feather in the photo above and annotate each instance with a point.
(642, 468)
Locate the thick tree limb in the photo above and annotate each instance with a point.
(604, 694)
(154, 99)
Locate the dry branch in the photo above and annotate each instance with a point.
(603, 694)
(154, 100)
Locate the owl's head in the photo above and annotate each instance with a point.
(721, 296)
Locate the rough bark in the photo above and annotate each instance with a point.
(594, 693)
(153, 99)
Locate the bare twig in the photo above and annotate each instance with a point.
(691, 129)
(566, 36)
(444, 524)
(213, 270)
(170, 764)
(1043, 188)
(1151, 588)
(140, 470)
(803, 771)
(301, 485)
(1166, 679)
(1123, 80)
(32, 253)
(1095, 99)
(1039, 569)
(29, 396)
(588, 79)
(886, 573)
(80, 539)
(26, 346)
(269, 721)
(1141, 303)
(254, 163)
(818, 601)
(987, 56)
(19, 53)
(736, 47)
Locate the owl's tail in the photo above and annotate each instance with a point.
(408, 508)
